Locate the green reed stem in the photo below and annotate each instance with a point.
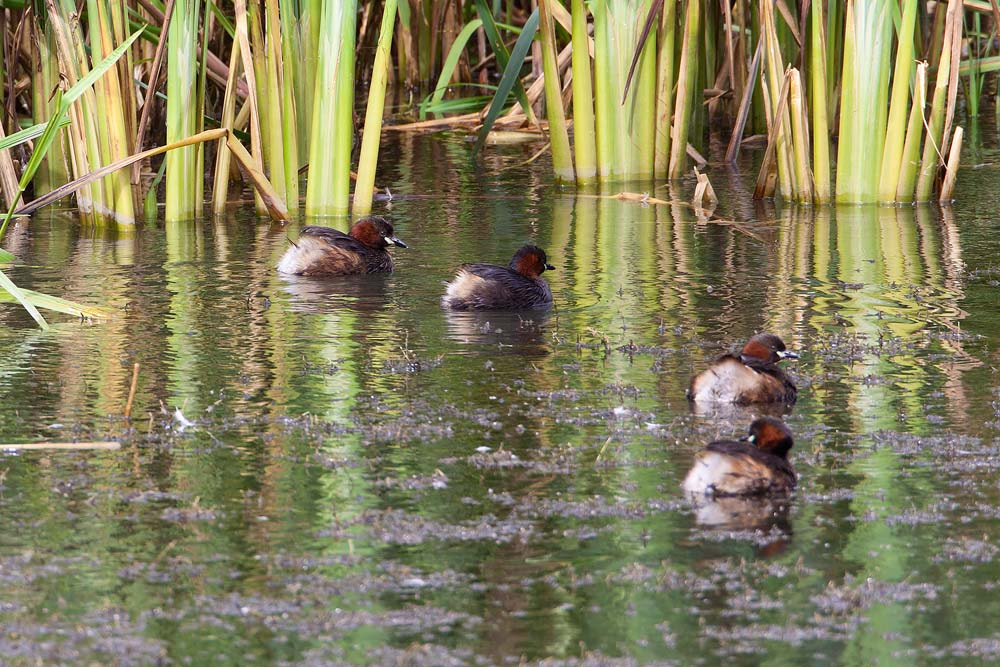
(182, 112)
(892, 153)
(584, 139)
(364, 189)
(562, 160)
(687, 90)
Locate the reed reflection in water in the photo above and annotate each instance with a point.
(357, 447)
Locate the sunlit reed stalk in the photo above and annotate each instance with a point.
(562, 160)
(584, 141)
(266, 62)
(800, 139)
(45, 70)
(951, 173)
(114, 137)
(863, 100)
(287, 50)
(688, 96)
(664, 89)
(834, 35)
(820, 120)
(892, 153)
(774, 73)
(301, 18)
(220, 186)
(182, 111)
(604, 104)
(252, 105)
(328, 191)
(84, 146)
(641, 117)
(933, 149)
(910, 158)
(364, 189)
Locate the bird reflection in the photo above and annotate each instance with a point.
(364, 293)
(524, 331)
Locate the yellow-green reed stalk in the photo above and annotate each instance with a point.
(834, 53)
(126, 70)
(299, 41)
(864, 100)
(604, 103)
(584, 141)
(82, 133)
(642, 118)
(624, 123)
(935, 125)
(820, 120)
(562, 160)
(223, 157)
(910, 159)
(280, 132)
(951, 172)
(182, 111)
(328, 192)
(44, 80)
(266, 63)
(115, 139)
(285, 51)
(774, 72)
(664, 89)
(252, 104)
(688, 96)
(364, 189)
(800, 135)
(892, 151)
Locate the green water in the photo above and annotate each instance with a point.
(371, 480)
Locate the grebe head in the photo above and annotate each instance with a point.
(530, 261)
(767, 349)
(376, 232)
(770, 435)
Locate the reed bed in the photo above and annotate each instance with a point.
(625, 90)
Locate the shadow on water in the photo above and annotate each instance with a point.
(371, 478)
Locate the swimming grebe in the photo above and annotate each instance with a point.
(752, 376)
(755, 466)
(512, 287)
(324, 251)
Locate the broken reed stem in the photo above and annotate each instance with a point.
(131, 390)
(951, 172)
(27, 446)
(733, 150)
(760, 191)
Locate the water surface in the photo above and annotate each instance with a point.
(368, 479)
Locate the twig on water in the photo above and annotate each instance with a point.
(106, 445)
(131, 390)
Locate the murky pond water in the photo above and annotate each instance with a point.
(367, 479)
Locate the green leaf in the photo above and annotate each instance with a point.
(459, 105)
(511, 76)
(63, 102)
(452, 61)
(223, 20)
(27, 134)
(60, 305)
(500, 49)
(8, 285)
(93, 75)
(6, 257)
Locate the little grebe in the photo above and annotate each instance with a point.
(757, 465)
(512, 287)
(323, 251)
(752, 376)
